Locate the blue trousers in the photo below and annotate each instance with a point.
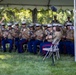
(5, 41)
(35, 43)
(62, 47)
(30, 45)
(69, 47)
(66, 47)
(44, 45)
(21, 43)
(16, 43)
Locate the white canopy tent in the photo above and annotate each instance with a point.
(37, 3)
(45, 4)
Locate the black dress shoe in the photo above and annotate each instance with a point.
(5, 51)
(10, 51)
(35, 53)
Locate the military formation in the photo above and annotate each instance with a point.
(36, 36)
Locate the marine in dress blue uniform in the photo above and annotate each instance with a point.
(69, 43)
(38, 38)
(8, 38)
(24, 36)
(47, 43)
(2, 28)
(32, 38)
(16, 35)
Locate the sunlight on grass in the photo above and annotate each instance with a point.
(29, 64)
(5, 56)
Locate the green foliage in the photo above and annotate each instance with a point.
(43, 16)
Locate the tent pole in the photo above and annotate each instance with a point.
(75, 28)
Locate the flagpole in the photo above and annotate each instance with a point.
(75, 28)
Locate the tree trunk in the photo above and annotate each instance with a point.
(34, 15)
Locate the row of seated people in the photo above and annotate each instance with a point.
(37, 35)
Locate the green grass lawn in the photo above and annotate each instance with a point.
(29, 64)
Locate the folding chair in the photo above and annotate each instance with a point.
(53, 50)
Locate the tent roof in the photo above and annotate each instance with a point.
(37, 3)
